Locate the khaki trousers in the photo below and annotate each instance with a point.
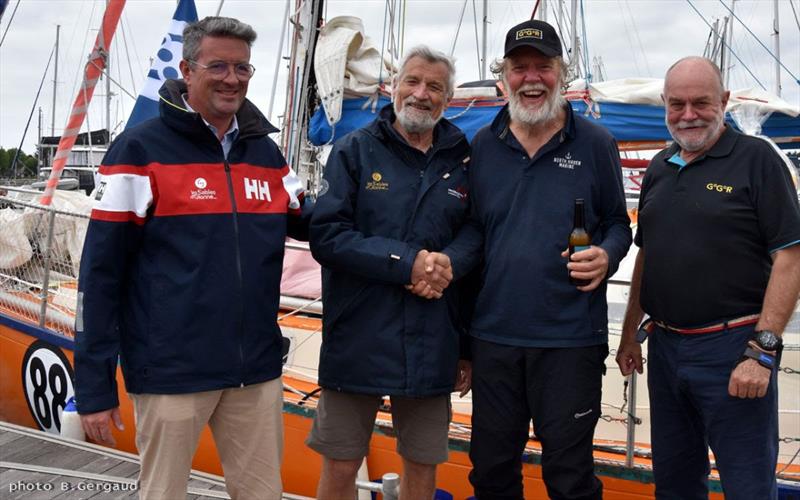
(247, 426)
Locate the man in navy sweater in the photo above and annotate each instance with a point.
(539, 343)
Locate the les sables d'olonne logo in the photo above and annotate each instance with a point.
(567, 162)
(377, 183)
(201, 193)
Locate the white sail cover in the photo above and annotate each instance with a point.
(346, 61)
(649, 90)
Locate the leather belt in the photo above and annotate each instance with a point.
(734, 323)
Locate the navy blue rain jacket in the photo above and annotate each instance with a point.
(382, 206)
(180, 274)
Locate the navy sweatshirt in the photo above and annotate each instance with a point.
(522, 214)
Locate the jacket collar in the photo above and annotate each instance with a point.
(445, 134)
(173, 111)
(501, 125)
(722, 148)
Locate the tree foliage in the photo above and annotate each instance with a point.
(25, 167)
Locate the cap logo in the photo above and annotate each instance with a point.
(529, 33)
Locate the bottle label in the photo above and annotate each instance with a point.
(579, 248)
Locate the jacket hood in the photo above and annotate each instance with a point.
(173, 111)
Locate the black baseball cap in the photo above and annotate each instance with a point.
(534, 33)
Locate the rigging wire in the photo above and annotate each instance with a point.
(78, 68)
(127, 54)
(638, 38)
(797, 80)
(791, 4)
(458, 27)
(9, 23)
(586, 67)
(726, 44)
(383, 41)
(30, 116)
(628, 37)
(136, 57)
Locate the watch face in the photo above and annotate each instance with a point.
(767, 340)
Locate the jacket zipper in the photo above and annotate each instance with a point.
(421, 195)
(239, 275)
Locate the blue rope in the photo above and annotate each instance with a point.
(728, 46)
(760, 42)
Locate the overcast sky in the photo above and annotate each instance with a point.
(634, 38)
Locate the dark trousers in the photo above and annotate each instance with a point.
(560, 390)
(690, 409)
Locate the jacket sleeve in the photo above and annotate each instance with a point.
(336, 242)
(122, 199)
(615, 225)
(466, 249)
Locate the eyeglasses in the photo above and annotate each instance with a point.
(219, 69)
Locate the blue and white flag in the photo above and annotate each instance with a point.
(165, 64)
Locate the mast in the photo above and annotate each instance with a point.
(776, 33)
(573, 33)
(483, 43)
(55, 85)
(729, 43)
(107, 76)
(278, 59)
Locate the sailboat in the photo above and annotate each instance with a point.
(38, 271)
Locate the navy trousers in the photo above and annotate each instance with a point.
(560, 390)
(690, 410)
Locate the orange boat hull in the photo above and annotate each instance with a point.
(301, 466)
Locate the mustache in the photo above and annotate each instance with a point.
(694, 123)
(419, 102)
(533, 87)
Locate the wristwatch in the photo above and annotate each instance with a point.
(768, 341)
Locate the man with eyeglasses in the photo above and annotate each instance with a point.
(180, 276)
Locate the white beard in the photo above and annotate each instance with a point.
(692, 145)
(414, 121)
(548, 111)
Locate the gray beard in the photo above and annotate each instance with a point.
(415, 123)
(698, 144)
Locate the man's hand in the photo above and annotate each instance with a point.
(629, 357)
(463, 377)
(590, 264)
(749, 380)
(96, 427)
(431, 273)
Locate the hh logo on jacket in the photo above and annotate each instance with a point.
(256, 189)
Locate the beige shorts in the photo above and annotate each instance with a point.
(344, 422)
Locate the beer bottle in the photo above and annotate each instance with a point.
(579, 239)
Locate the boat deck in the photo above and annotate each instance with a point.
(41, 466)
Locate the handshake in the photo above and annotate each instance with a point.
(430, 274)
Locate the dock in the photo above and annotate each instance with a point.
(35, 465)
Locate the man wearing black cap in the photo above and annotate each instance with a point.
(539, 342)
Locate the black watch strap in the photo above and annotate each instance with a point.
(764, 359)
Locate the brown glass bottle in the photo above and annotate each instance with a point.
(579, 239)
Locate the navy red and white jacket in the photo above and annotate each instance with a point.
(385, 201)
(180, 273)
